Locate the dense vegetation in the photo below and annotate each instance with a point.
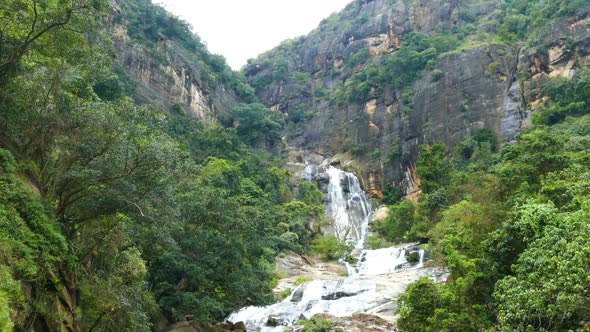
(398, 71)
(115, 216)
(512, 226)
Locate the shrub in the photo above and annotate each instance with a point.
(436, 75)
(316, 324)
(330, 247)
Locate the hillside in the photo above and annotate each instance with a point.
(119, 211)
(382, 77)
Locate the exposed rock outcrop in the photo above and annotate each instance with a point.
(168, 74)
(192, 326)
(360, 322)
(480, 85)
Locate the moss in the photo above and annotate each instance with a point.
(492, 69)
(283, 294)
(302, 280)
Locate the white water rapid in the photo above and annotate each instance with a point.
(373, 284)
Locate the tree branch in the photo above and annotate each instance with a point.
(35, 19)
(48, 28)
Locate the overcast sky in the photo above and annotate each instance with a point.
(242, 29)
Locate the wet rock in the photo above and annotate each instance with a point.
(240, 326)
(298, 294)
(193, 326)
(272, 321)
(360, 322)
(322, 178)
(514, 114)
(337, 295)
(413, 257)
(345, 185)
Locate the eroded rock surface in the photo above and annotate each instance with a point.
(481, 85)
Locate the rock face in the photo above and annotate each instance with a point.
(169, 75)
(481, 85)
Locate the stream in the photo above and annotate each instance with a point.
(373, 284)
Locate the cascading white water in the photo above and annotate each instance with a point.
(371, 282)
(386, 260)
(349, 209)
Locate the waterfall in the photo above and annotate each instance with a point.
(349, 209)
(374, 283)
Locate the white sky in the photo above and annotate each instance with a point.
(243, 29)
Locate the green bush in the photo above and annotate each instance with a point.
(399, 222)
(375, 242)
(571, 97)
(316, 324)
(357, 150)
(436, 75)
(330, 248)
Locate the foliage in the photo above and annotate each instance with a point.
(276, 70)
(436, 75)
(392, 194)
(10, 297)
(308, 192)
(427, 306)
(550, 287)
(118, 213)
(433, 168)
(524, 18)
(569, 95)
(330, 248)
(477, 152)
(399, 222)
(316, 324)
(400, 69)
(302, 280)
(114, 214)
(375, 242)
(357, 150)
(511, 232)
(256, 125)
(40, 26)
(294, 219)
(418, 304)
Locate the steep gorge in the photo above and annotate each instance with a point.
(119, 211)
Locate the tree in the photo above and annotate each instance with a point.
(550, 288)
(330, 248)
(398, 223)
(433, 168)
(26, 23)
(418, 305)
(257, 125)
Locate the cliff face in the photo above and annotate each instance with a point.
(481, 83)
(168, 74)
